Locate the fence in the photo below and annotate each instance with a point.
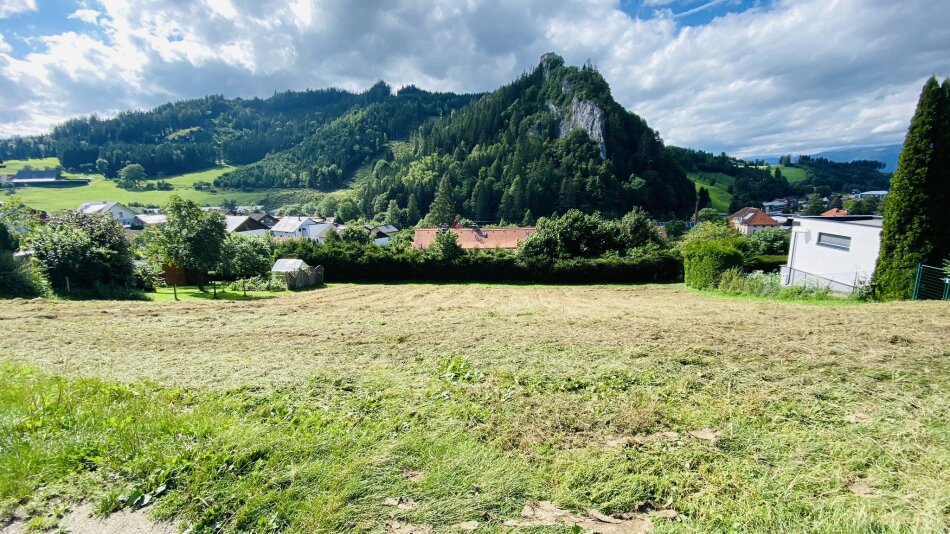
(931, 283)
(794, 277)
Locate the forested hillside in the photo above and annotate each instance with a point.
(755, 182)
(196, 134)
(550, 141)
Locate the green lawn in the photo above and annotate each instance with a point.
(100, 189)
(191, 294)
(718, 195)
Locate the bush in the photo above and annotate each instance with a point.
(758, 284)
(769, 264)
(369, 263)
(148, 276)
(21, 278)
(259, 283)
(705, 261)
(771, 241)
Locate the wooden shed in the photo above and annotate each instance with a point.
(296, 273)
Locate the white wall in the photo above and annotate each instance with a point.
(122, 214)
(822, 262)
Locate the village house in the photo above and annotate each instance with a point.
(778, 205)
(751, 220)
(837, 252)
(119, 212)
(835, 212)
(381, 234)
(150, 219)
(289, 227)
(243, 224)
(267, 220)
(476, 237)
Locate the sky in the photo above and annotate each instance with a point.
(749, 77)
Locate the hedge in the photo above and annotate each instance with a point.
(369, 263)
(766, 263)
(704, 261)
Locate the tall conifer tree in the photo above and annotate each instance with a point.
(442, 210)
(915, 217)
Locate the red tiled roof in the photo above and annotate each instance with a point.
(482, 238)
(835, 212)
(752, 217)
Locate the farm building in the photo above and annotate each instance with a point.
(476, 237)
(836, 252)
(751, 220)
(267, 220)
(296, 273)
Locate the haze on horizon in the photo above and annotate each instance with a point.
(743, 76)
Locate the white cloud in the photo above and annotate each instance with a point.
(89, 16)
(8, 8)
(797, 75)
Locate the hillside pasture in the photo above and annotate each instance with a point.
(414, 406)
(51, 199)
(719, 197)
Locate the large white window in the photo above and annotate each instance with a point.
(835, 241)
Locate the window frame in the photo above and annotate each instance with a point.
(833, 245)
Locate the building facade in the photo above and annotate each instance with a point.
(835, 252)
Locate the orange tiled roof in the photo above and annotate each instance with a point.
(835, 212)
(482, 238)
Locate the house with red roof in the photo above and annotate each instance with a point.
(476, 237)
(751, 220)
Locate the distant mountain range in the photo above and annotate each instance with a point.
(888, 154)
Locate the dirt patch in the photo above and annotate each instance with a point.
(858, 417)
(413, 476)
(466, 526)
(394, 526)
(707, 434)
(81, 520)
(547, 514)
(862, 486)
(402, 503)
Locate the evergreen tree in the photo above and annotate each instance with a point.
(816, 205)
(442, 210)
(703, 197)
(915, 217)
(528, 219)
(412, 211)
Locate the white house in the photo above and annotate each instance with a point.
(124, 215)
(293, 227)
(837, 252)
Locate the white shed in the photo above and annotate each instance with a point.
(835, 252)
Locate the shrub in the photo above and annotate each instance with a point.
(771, 241)
(20, 278)
(769, 264)
(259, 283)
(705, 261)
(148, 276)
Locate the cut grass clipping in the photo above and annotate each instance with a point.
(448, 406)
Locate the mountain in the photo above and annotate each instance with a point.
(887, 154)
(552, 140)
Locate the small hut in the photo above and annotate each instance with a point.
(296, 273)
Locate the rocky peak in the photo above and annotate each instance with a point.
(587, 116)
(549, 62)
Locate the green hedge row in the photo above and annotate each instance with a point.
(349, 262)
(766, 263)
(705, 261)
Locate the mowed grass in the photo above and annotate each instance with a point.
(51, 199)
(793, 174)
(306, 412)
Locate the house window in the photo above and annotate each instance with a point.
(836, 241)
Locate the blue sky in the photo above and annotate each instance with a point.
(744, 76)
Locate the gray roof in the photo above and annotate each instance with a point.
(153, 218)
(232, 222)
(286, 265)
(289, 224)
(96, 207)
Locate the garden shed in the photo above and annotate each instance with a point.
(296, 273)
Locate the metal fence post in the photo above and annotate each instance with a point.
(917, 282)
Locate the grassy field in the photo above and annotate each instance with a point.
(48, 199)
(401, 408)
(718, 195)
(793, 174)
